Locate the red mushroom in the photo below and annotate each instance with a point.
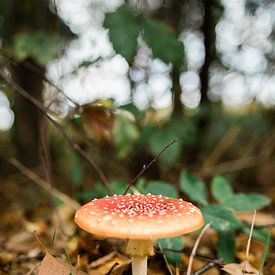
(141, 219)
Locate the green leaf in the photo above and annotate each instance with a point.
(99, 191)
(163, 41)
(159, 140)
(173, 244)
(246, 202)
(124, 29)
(221, 189)
(89, 194)
(162, 188)
(221, 218)
(193, 187)
(159, 137)
(141, 186)
(118, 186)
(41, 46)
(226, 246)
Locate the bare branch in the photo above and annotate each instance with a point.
(145, 167)
(73, 144)
(189, 269)
(35, 70)
(43, 184)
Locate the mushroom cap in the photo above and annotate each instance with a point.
(139, 217)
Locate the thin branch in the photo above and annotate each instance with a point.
(194, 250)
(74, 145)
(35, 70)
(45, 159)
(204, 268)
(218, 262)
(145, 167)
(242, 163)
(165, 259)
(225, 142)
(112, 268)
(43, 184)
(248, 243)
(250, 235)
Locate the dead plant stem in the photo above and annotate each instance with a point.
(145, 167)
(73, 144)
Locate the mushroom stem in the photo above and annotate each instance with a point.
(139, 265)
(139, 250)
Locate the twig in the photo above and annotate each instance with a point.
(74, 145)
(218, 262)
(32, 176)
(250, 235)
(204, 268)
(145, 167)
(236, 165)
(103, 260)
(165, 259)
(33, 269)
(194, 250)
(248, 244)
(112, 268)
(35, 70)
(226, 141)
(45, 159)
(40, 242)
(242, 163)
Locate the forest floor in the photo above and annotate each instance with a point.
(36, 238)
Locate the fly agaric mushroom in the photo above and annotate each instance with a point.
(141, 219)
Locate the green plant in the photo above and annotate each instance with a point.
(221, 215)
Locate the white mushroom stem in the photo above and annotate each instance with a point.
(139, 250)
(139, 265)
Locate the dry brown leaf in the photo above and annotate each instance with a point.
(64, 216)
(21, 242)
(53, 266)
(122, 261)
(6, 257)
(239, 269)
(103, 260)
(197, 264)
(262, 219)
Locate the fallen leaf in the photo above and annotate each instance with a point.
(103, 260)
(240, 269)
(6, 257)
(119, 259)
(21, 242)
(53, 266)
(262, 219)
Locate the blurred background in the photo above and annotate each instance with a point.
(122, 79)
(123, 87)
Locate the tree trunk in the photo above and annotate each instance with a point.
(28, 117)
(208, 30)
(178, 107)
